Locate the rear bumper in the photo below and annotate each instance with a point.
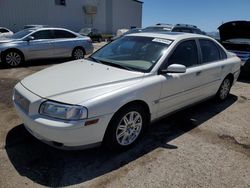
(236, 76)
(243, 55)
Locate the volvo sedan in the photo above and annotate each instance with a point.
(39, 43)
(112, 97)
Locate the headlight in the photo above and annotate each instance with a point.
(63, 111)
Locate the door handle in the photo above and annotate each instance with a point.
(198, 73)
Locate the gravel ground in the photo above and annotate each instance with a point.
(207, 145)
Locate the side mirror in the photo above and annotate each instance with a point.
(29, 38)
(175, 68)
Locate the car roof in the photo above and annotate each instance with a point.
(169, 35)
(49, 28)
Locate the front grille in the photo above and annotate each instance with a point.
(21, 101)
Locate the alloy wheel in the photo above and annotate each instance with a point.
(225, 88)
(129, 128)
(78, 54)
(13, 59)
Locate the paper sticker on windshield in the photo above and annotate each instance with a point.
(165, 41)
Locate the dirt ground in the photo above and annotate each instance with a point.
(207, 145)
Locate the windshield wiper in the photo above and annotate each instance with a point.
(110, 64)
(94, 59)
(117, 65)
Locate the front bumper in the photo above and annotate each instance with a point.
(59, 133)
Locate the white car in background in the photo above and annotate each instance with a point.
(4, 32)
(113, 96)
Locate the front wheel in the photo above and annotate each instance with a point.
(126, 127)
(224, 89)
(13, 58)
(78, 53)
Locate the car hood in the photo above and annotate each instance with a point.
(78, 81)
(235, 29)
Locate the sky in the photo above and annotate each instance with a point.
(208, 15)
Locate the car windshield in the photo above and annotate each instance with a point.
(132, 52)
(21, 34)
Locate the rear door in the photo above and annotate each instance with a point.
(64, 42)
(212, 66)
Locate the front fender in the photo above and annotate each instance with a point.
(147, 91)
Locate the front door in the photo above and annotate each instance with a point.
(41, 46)
(181, 89)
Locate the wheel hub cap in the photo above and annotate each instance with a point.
(79, 54)
(129, 128)
(13, 59)
(225, 89)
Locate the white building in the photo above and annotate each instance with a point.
(105, 15)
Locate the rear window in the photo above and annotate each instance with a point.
(61, 34)
(210, 51)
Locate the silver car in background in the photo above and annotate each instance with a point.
(39, 43)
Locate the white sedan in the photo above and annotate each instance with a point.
(112, 96)
(4, 32)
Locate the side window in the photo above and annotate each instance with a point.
(209, 50)
(61, 34)
(3, 30)
(223, 55)
(45, 34)
(186, 54)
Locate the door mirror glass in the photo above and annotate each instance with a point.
(29, 38)
(175, 68)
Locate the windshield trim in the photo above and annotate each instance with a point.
(26, 35)
(91, 57)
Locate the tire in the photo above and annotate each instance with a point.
(78, 53)
(126, 127)
(13, 58)
(224, 89)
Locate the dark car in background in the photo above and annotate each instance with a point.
(93, 33)
(186, 28)
(235, 37)
(134, 30)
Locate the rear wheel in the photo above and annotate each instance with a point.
(78, 53)
(224, 89)
(13, 58)
(126, 127)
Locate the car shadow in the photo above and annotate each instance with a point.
(39, 62)
(244, 79)
(51, 167)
